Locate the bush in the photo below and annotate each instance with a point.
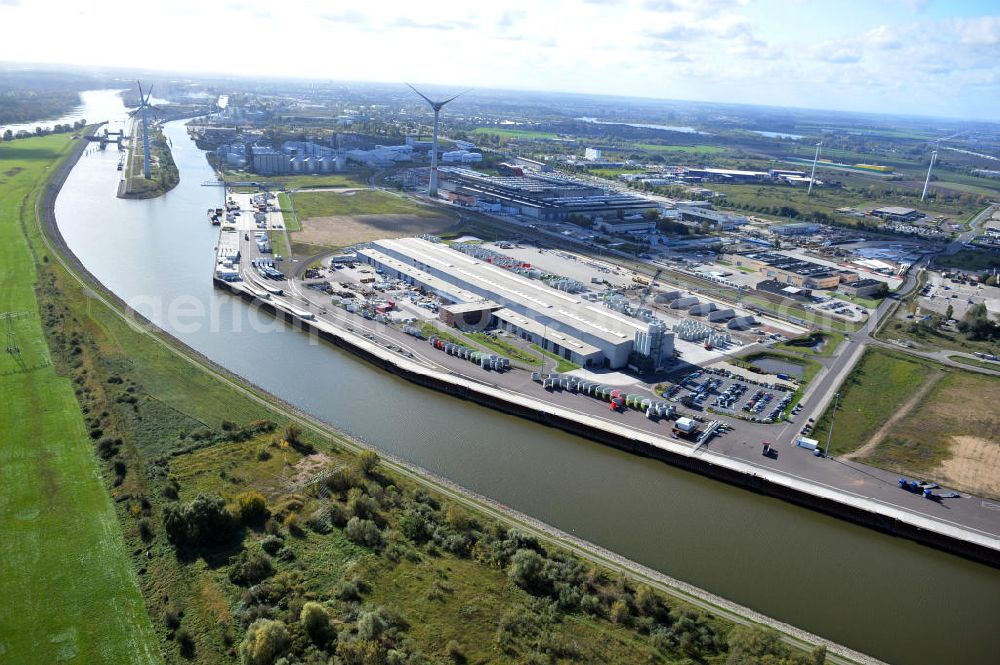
(265, 640)
(368, 461)
(251, 507)
(271, 544)
(146, 529)
(526, 567)
(454, 652)
(203, 522)
(361, 505)
(363, 532)
(316, 622)
(185, 642)
(291, 523)
(249, 567)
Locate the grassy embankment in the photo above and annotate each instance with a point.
(985, 364)
(363, 202)
(948, 433)
(562, 365)
(70, 593)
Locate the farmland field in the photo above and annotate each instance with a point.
(68, 589)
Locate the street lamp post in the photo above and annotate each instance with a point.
(833, 414)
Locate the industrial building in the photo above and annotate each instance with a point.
(795, 229)
(795, 272)
(567, 324)
(296, 157)
(545, 197)
(863, 288)
(898, 214)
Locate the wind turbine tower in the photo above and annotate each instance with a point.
(432, 190)
(928, 181)
(812, 176)
(143, 112)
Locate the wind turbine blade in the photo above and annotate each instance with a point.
(426, 98)
(451, 99)
(140, 92)
(148, 95)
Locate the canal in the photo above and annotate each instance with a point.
(899, 601)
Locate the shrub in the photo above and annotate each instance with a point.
(454, 652)
(526, 567)
(249, 567)
(363, 532)
(271, 544)
(205, 521)
(291, 523)
(265, 640)
(146, 529)
(316, 622)
(251, 507)
(368, 461)
(185, 642)
(361, 505)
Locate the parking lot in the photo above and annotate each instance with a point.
(733, 395)
(941, 292)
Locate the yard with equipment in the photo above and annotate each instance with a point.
(69, 591)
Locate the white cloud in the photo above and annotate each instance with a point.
(717, 50)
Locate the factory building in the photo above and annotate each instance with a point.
(794, 229)
(863, 288)
(545, 197)
(563, 323)
(898, 214)
(719, 220)
(794, 272)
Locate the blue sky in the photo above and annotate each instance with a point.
(922, 57)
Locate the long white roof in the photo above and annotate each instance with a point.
(531, 294)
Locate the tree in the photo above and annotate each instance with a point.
(8, 135)
(293, 434)
(204, 521)
(526, 567)
(948, 313)
(265, 640)
(250, 567)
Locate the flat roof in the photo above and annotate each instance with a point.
(424, 277)
(565, 308)
(895, 210)
(530, 325)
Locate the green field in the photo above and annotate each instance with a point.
(69, 591)
(691, 149)
(364, 202)
(875, 389)
(358, 178)
(514, 133)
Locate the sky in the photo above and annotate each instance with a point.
(920, 57)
